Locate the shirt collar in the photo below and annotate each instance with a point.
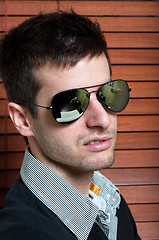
(64, 200)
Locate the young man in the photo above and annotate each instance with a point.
(57, 74)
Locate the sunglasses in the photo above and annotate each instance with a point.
(68, 106)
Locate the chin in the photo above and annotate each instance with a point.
(98, 165)
(105, 162)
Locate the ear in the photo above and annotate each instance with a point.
(19, 116)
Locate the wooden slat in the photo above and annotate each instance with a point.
(132, 40)
(148, 231)
(138, 90)
(27, 7)
(11, 22)
(3, 108)
(136, 72)
(110, 8)
(134, 176)
(120, 177)
(135, 140)
(11, 160)
(134, 56)
(2, 91)
(13, 143)
(144, 90)
(108, 24)
(135, 106)
(142, 106)
(145, 212)
(128, 24)
(123, 159)
(125, 124)
(138, 123)
(10, 127)
(125, 141)
(129, 40)
(132, 194)
(136, 158)
(140, 194)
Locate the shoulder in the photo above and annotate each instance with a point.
(25, 217)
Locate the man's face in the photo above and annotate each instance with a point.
(88, 143)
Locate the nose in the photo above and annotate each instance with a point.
(96, 115)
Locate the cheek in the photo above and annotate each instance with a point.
(53, 129)
(47, 121)
(64, 133)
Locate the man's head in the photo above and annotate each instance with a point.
(58, 39)
(53, 53)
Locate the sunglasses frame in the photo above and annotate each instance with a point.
(85, 89)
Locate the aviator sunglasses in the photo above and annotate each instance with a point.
(68, 106)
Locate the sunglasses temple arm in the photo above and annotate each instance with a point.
(42, 106)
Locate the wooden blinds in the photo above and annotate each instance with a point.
(132, 32)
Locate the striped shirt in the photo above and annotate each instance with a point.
(74, 209)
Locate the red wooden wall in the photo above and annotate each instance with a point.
(132, 32)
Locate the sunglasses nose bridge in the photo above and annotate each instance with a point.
(99, 96)
(95, 91)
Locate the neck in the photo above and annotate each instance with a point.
(78, 179)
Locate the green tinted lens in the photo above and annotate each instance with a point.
(114, 95)
(68, 106)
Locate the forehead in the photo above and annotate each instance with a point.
(87, 72)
